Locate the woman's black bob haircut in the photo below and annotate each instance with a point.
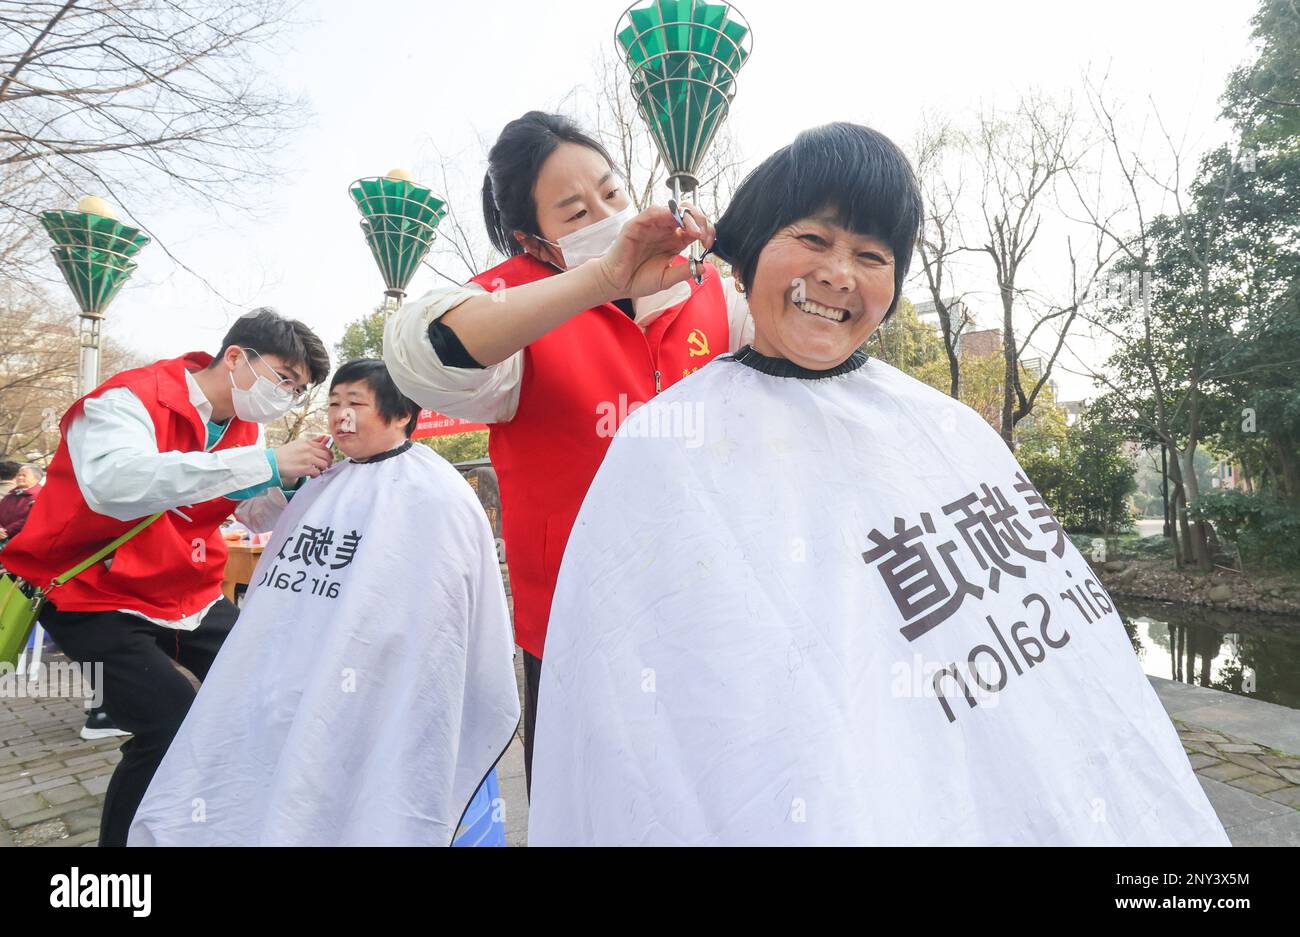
(855, 172)
(391, 403)
(513, 164)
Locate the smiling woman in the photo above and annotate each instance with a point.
(820, 237)
(825, 617)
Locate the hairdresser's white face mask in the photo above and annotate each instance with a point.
(594, 240)
(264, 402)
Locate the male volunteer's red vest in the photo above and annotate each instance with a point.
(173, 568)
(579, 381)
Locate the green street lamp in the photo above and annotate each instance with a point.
(398, 218)
(683, 57)
(93, 251)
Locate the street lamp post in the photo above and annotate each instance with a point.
(93, 251)
(683, 57)
(398, 218)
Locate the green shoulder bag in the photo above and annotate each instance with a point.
(20, 602)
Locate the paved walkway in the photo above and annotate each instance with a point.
(1243, 753)
(52, 783)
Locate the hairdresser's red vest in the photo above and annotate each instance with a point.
(579, 381)
(170, 570)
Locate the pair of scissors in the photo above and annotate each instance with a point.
(697, 263)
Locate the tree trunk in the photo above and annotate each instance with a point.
(1184, 533)
(1009, 375)
(1286, 458)
(1179, 526)
(1168, 528)
(1200, 550)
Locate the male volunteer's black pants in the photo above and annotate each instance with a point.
(142, 691)
(532, 683)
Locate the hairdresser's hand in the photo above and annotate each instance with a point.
(302, 458)
(641, 261)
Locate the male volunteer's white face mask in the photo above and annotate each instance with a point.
(595, 240)
(263, 402)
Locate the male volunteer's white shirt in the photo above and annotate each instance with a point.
(114, 453)
(491, 394)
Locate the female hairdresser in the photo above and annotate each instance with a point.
(593, 313)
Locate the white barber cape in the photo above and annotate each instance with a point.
(834, 611)
(368, 686)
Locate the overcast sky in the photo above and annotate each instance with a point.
(391, 82)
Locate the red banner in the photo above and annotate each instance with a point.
(435, 424)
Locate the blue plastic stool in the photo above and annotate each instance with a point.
(479, 827)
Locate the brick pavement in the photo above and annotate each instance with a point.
(52, 782)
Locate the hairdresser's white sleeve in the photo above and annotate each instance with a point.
(483, 395)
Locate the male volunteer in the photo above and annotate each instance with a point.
(179, 436)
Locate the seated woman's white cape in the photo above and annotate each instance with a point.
(836, 611)
(368, 686)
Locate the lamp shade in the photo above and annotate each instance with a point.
(683, 56)
(93, 252)
(398, 218)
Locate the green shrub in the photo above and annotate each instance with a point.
(1264, 528)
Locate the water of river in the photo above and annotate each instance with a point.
(1250, 654)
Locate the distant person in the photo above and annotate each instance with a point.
(17, 503)
(7, 472)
